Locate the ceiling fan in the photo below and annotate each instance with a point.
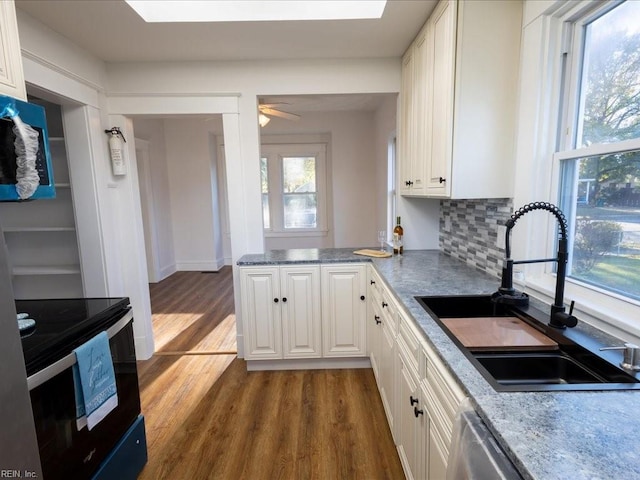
(268, 110)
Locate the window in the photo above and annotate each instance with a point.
(599, 153)
(293, 188)
(391, 186)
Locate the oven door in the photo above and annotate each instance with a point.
(65, 451)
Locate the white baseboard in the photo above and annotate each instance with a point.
(197, 266)
(308, 364)
(167, 271)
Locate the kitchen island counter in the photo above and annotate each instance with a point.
(547, 435)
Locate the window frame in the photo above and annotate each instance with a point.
(274, 153)
(563, 34)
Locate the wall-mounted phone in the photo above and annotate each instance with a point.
(116, 151)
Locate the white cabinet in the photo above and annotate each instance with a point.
(374, 321)
(41, 235)
(409, 418)
(441, 40)
(304, 311)
(11, 73)
(413, 140)
(344, 310)
(459, 98)
(281, 312)
(420, 397)
(261, 318)
(374, 336)
(426, 407)
(442, 396)
(382, 327)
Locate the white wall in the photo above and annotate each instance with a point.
(384, 131)
(189, 167)
(166, 86)
(250, 79)
(111, 243)
(352, 167)
(152, 130)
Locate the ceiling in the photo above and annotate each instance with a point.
(113, 32)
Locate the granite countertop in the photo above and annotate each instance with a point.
(547, 435)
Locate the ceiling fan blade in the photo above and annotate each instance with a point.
(271, 105)
(278, 113)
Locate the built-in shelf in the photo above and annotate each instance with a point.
(46, 270)
(40, 236)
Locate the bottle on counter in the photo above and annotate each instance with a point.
(398, 232)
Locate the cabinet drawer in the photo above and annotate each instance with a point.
(410, 343)
(446, 397)
(389, 312)
(374, 283)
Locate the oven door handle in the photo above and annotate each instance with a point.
(61, 365)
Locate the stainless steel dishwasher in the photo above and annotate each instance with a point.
(475, 454)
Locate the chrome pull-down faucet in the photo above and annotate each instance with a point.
(506, 294)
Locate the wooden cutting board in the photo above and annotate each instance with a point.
(372, 253)
(498, 333)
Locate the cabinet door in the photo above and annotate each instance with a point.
(300, 307)
(406, 125)
(374, 338)
(420, 127)
(409, 427)
(11, 74)
(436, 456)
(344, 310)
(261, 322)
(442, 44)
(386, 367)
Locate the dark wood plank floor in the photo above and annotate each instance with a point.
(194, 312)
(208, 418)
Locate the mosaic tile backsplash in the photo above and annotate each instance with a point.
(469, 231)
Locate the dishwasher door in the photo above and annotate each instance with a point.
(475, 454)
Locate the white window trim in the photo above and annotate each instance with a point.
(274, 153)
(615, 314)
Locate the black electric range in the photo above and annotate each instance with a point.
(64, 324)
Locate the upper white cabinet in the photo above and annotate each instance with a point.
(458, 102)
(11, 74)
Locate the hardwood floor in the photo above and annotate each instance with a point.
(208, 418)
(193, 312)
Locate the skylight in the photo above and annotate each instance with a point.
(255, 10)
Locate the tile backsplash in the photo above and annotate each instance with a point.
(469, 231)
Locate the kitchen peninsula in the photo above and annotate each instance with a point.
(547, 435)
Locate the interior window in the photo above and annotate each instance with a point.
(600, 164)
(264, 180)
(293, 188)
(299, 192)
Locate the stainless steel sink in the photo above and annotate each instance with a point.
(571, 367)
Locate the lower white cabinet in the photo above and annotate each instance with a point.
(419, 395)
(281, 312)
(374, 338)
(408, 416)
(344, 310)
(303, 311)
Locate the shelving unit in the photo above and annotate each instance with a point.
(41, 235)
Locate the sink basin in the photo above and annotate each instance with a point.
(569, 367)
(462, 306)
(517, 371)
